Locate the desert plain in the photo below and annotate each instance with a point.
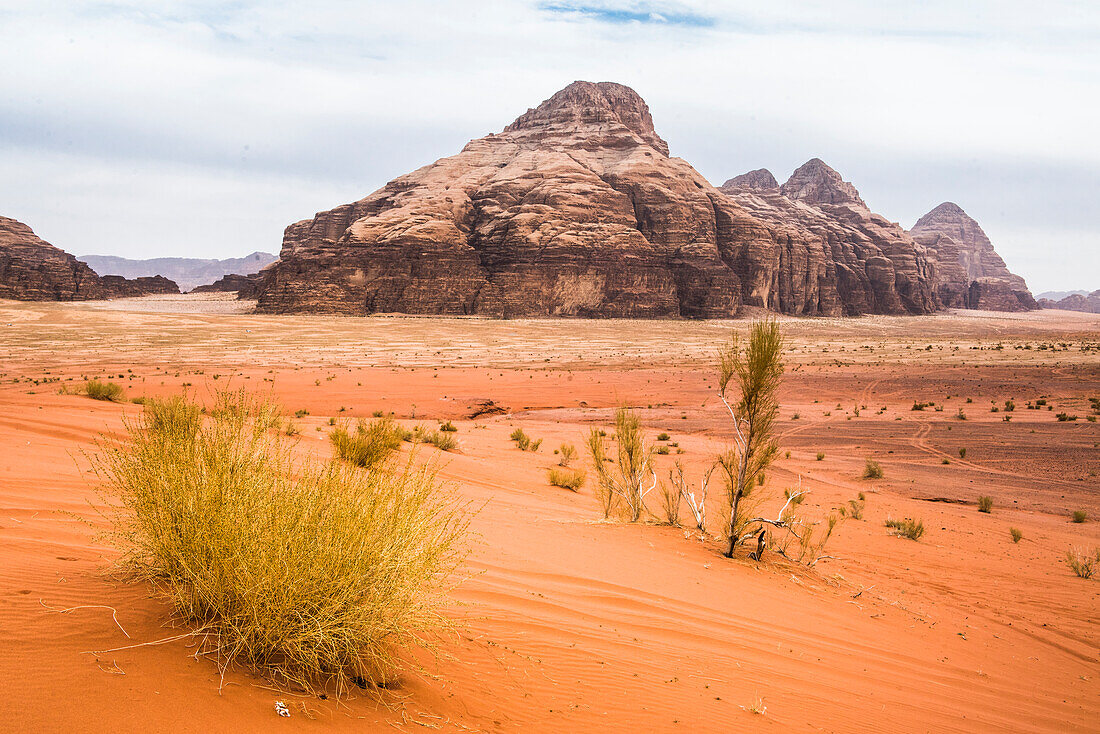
(565, 621)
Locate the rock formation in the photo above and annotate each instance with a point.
(576, 209)
(862, 262)
(32, 269)
(243, 285)
(970, 272)
(1089, 303)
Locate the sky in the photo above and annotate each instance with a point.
(201, 129)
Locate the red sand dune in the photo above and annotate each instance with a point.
(569, 623)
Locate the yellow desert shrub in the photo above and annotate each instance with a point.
(369, 444)
(314, 573)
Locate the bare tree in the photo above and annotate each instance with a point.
(755, 372)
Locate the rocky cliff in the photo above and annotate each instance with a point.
(32, 269)
(970, 272)
(576, 209)
(862, 262)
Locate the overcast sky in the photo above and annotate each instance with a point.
(156, 128)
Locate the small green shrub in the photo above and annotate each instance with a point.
(97, 390)
(855, 509)
(567, 478)
(820, 455)
(962, 453)
(663, 450)
(525, 442)
(301, 413)
(985, 504)
(1080, 516)
(1016, 534)
(872, 469)
(907, 528)
(448, 427)
(663, 436)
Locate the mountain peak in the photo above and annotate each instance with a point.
(815, 182)
(593, 103)
(758, 180)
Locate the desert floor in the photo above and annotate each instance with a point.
(567, 622)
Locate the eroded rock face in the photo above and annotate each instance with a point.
(967, 265)
(858, 261)
(32, 269)
(575, 209)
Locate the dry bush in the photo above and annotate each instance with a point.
(313, 573)
(572, 479)
(448, 427)
(621, 487)
(872, 469)
(855, 509)
(370, 444)
(97, 390)
(697, 504)
(1016, 533)
(907, 528)
(1083, 562)
(985, 504)
(1080, 516)
(567, 452)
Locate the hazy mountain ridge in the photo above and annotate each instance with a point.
(187, 272)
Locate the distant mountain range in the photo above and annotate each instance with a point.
(1059, 295)
(187, 272)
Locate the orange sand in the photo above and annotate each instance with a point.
(569, 623)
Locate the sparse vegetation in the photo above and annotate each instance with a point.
(962, 453)
(872, 469)
(985, 504)
(567, 478)
(906, 528)
(525, 442)
(567, 452)
(756, 371)
(98, 390)
(1080, 516)
(663, 436)
(369, 444)
(448, 427)
(1016, 533)
(1083, 562)
(620, 488)
(855, 509)
(820, 456)
(313, 573)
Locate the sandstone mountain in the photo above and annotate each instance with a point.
(970, 272)
(1088, 302)
(32, 269)
(866, 263)
(576, 209)
(188, 272)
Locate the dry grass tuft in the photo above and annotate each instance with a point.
(315, 574)
(907, 528)
(370, 444)
(567, 478)
(985, 504)
(872, 470)
(97, 390)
